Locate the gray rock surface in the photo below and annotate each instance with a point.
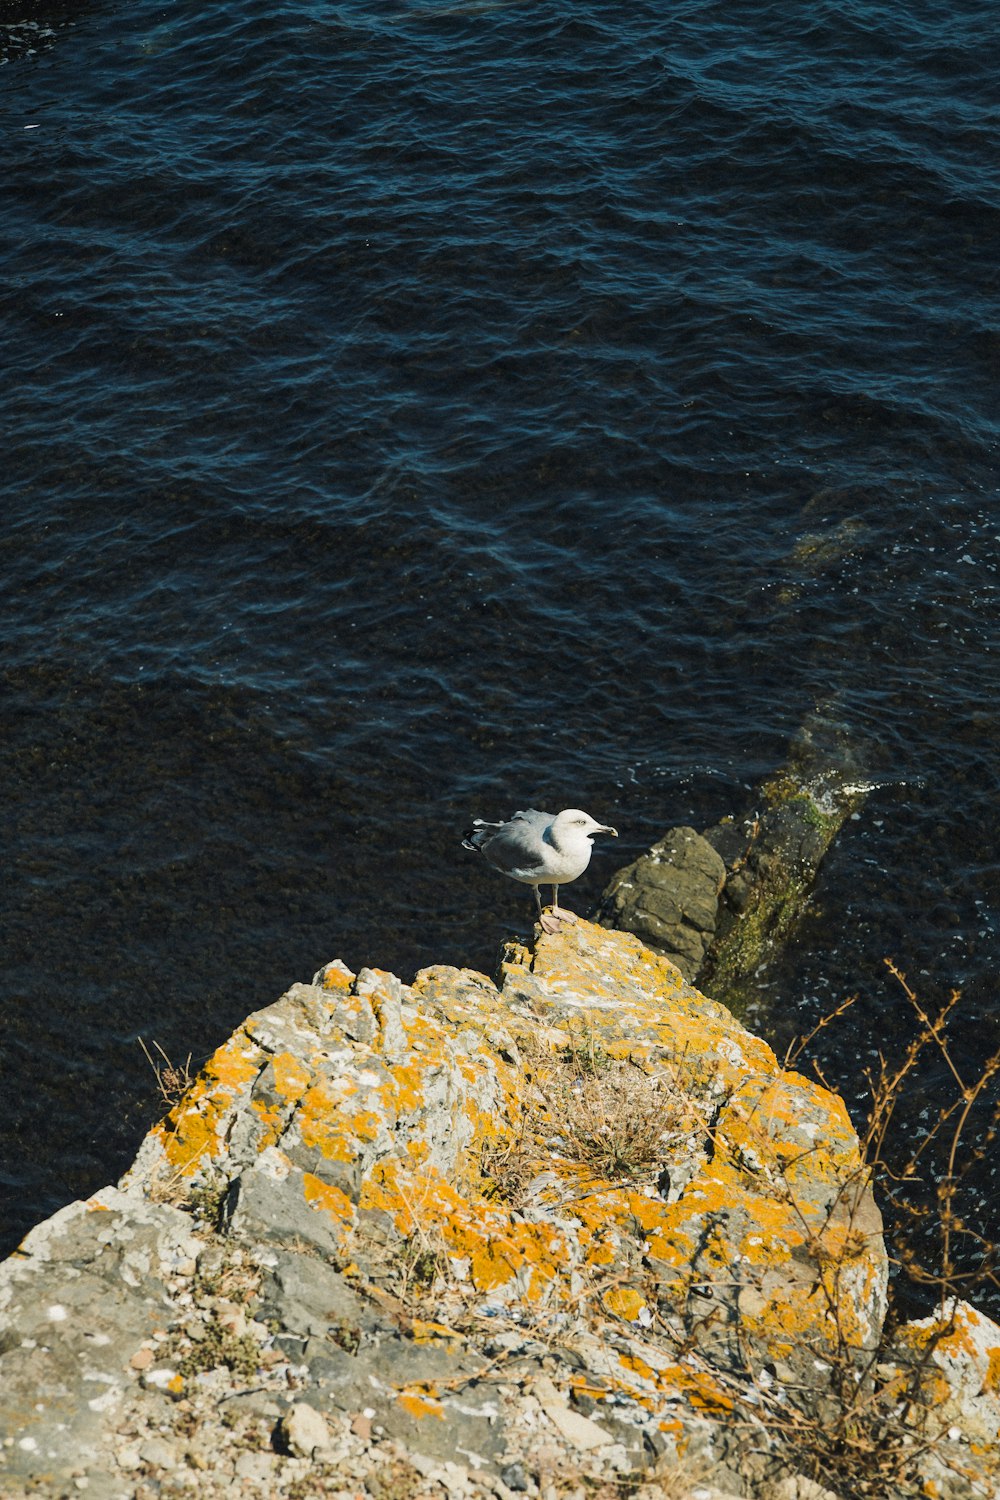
(669, 897)
(399, 1261)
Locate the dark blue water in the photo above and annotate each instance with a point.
(423, 410)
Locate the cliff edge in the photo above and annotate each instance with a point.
(575, 1233)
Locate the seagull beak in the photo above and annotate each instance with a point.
(613, 831)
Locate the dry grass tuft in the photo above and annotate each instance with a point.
(173, 1081)
(595, 1111)
(615, 1122)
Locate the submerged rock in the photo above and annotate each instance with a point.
(448, 1234)
(720, 904)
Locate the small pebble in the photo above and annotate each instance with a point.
(159, 1453)
(304, 1429)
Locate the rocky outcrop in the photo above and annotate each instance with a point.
(669, 897)
(720, 903)
(459, 1238)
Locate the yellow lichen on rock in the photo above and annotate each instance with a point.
(573, 1221)
(332, 1200)
(596, 1140)
(419, 1404)
(193, 1130)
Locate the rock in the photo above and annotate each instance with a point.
(956, 1360)
(310, 1299)
(547, 1233)
(159, 1453)
(579, 1431)
(798, 1487)
(101, 1264)
(269, 1201)
(304, 1430)
(259, 1468)
(721, 903)
(669, 897)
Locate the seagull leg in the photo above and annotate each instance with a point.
(552, 920)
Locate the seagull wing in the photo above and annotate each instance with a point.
(517, 848)
(535, 819)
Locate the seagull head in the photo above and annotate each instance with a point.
(574, 822)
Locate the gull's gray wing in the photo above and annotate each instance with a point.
(531, 815)
(519, 847)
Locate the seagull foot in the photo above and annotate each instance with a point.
(552, 920)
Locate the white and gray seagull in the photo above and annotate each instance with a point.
(539, 848)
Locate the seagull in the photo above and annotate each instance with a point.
(539, 847)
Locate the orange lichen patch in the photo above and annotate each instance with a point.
(492, 1266)
(602, 1211)
(403, 1092)
(964, 1352)
(291, 1078)
(415, 1199)
(778, 1225)
(582, 1385)
(602, 1251)
(271, 1122)
(326, 1126)
(330, 1199)
(624, 1302)
(194, 1127)
(783, 1321)
(702, 1392)
(789, 1127)
(839, 1249)
(936, 1388)
(489, 1126)
(532, 1255)
(646, 1212)
(364, 1124)
(499, 1249)
(637, 1366)
(960, 1340)
(951, 1338)
(435, 1333)
(418, 1404)
(699, 1389)
(337, 979)
(497, 1263)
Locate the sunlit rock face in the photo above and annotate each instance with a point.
(578, 1219)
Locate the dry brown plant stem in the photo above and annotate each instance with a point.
(954, 1116)
(172, 1081)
